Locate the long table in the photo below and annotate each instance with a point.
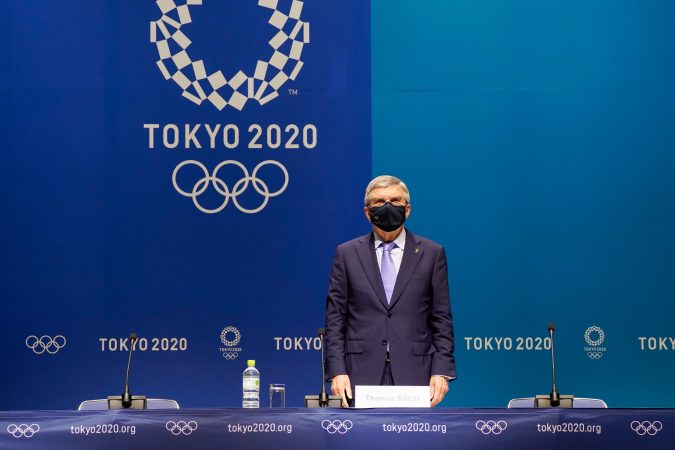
(316, 429)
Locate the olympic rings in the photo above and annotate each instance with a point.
(45, 344)
(337, 426)
(491, 427)
(181, 427)
(646, 427)
(23, 430)
(223, 189)
(230, 356)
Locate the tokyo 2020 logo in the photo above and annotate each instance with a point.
(199, 84)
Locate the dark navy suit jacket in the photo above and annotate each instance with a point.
(417, 324)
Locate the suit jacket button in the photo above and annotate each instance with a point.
(389, 315)
(384, 342)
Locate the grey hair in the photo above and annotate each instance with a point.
(384, 181)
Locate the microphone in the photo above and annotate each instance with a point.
(126, 400)
(554, 399)
(555, 396)
(126, 396)
(323, 397)
(322, 400)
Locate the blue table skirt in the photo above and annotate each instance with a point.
(316, 429)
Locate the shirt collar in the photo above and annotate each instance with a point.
(400, 240)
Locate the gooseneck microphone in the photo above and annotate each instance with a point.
(323, 397)
(322, 400)
(126, 400)
(555, 396)
(126, 396)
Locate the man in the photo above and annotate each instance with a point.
(388, 319)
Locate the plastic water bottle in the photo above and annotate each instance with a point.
(251, 379)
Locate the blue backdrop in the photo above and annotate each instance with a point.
(536, 138)
(539, 143)
(99, 239)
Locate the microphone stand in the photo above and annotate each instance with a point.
(323, 397)
(554, 397)
(126, 395)
(323, 400)
(126, 400)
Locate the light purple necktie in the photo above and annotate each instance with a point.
(388, 269)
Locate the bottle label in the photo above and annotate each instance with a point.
(251, 384)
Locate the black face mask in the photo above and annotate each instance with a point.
(387, 217)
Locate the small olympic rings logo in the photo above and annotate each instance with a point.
(181, 427)
(491, 427)
(230, 356)
(646, 427)
(230, 342)
(594, 355)
(45, 344)
(23, 430)
(599, 339)
(223, 189)
(337, 426)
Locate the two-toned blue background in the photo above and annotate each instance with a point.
(537, 140)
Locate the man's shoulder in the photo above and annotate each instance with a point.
(428, 243)
(354, 242)
(424, 242)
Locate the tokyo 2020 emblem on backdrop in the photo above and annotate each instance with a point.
(198, 83)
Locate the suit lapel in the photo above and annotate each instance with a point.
(367, 256)
(411, 256)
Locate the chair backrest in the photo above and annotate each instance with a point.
(579, 402)
(153, 403)
(589, 403)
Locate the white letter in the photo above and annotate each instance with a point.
(190, 135)
(508, 343)
(151, 127)
(478, 341)
(212, 134)
(174, 128)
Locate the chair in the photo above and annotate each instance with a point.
(152, 403)
(579, 402)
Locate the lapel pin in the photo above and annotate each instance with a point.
(417, 249)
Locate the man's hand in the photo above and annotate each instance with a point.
(438, 387)
(343, 388)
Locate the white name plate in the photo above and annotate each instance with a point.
(392, 397)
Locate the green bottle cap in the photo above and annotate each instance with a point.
(251, 362)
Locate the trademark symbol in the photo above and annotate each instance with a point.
(292, 91)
